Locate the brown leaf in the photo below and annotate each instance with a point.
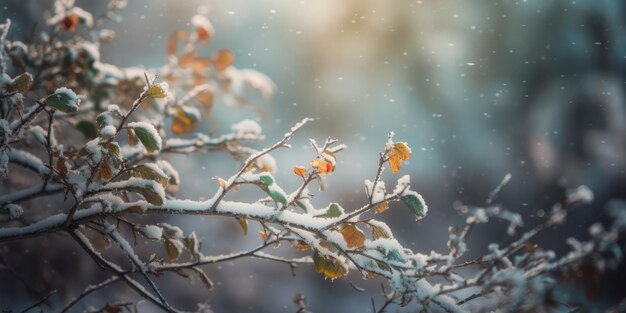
(353, 236)
(205, 279)
(132, 138)
(382, 207)
(302, 246)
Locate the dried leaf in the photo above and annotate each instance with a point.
(204, 278)
(353, 236)
(382, 207)
(174, 248)
(263, 235)
(132, 138)
(399, 152)
(152, 172)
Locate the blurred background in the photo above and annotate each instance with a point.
(477, 89)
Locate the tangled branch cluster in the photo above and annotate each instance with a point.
(97, 134)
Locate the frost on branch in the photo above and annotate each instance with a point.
(103, 156)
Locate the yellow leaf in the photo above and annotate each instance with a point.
(299, 170)
(400, 152)
(330, 267)
(263, 235)
(353, 236)
(244, 225)
(157, 91)
(382, 207)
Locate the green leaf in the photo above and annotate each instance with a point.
(152, 172)
(64, 100)
(267, 180)
(88, 129)
(394, 255)
(277, 196)
(148, 136)
(415, 203)
(331, 268)
(334, 210)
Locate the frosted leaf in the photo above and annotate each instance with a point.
(151, 231)
(246, 127)
(266, 163)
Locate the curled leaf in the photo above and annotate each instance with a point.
(244, 225)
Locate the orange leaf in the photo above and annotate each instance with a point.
(382, 207)
(223, 58)
(353, 236)
(322, 166)
(399, 152)
(302, 246)
(299, 170)
(263, 235)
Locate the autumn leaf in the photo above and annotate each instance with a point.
(263, 235)
(302, 246)
(244, 225)
(328, 266)
(353, 236)
(322, 166)
(185, 120)
(132, 138)
(157, 91)
(382, 207)
(398, 153)
(152, 172)
(299, 170)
